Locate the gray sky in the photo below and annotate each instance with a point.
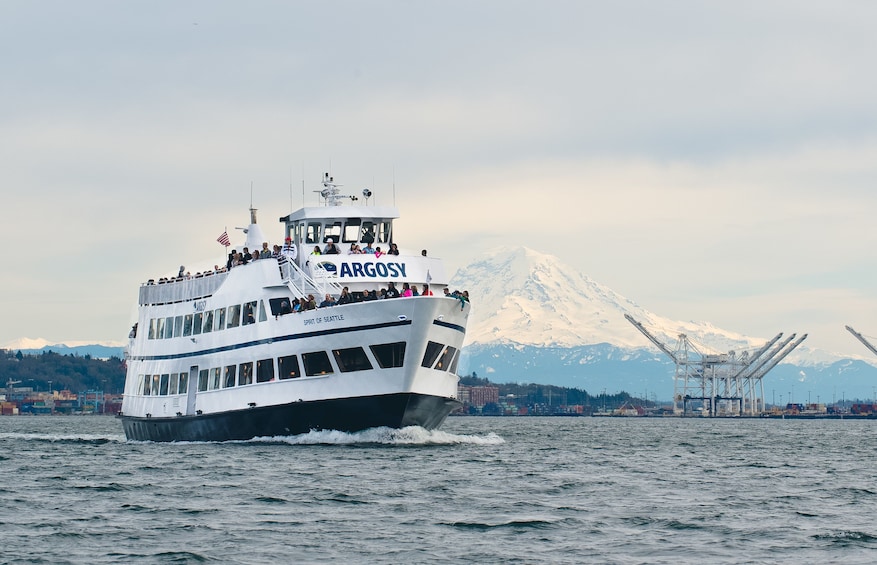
(708, 160)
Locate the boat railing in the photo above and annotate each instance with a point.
(303, 284)
(179, 290)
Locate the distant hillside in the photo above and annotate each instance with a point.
(71, 372)
(96, 351)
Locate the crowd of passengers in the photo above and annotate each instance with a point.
(236, 258)
(346, 297)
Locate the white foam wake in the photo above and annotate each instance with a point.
(412, 435)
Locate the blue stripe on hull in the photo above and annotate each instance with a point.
(345, 414)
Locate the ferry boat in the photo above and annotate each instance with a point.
(235, 353)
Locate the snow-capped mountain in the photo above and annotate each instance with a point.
(530, 298)
(538, 320)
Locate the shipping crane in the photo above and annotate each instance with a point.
(722, 383)
(10, 387)
(861, 338)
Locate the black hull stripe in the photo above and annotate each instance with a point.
(270, 340)
(460, 329)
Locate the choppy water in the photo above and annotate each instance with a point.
(488, 490)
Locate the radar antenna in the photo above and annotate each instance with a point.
(331, 194)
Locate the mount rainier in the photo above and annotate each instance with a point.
(537, 320)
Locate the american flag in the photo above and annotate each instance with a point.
(223, 239)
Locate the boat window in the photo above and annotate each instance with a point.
(169, 327)
(187, 325)
(453, 367)
(202, 380)
(368, 232)
(333, 231)
(288, 367)
(234, 315)
(228, 378)
(153, 328)
(208, 322)
(445, 360)
(159, 328)
(280, 306)
(317, 363)
(174, 383)
(312, 235)
(432, 352)
(184, 383)
(142, 385)
(246, 377)
(299, 230)
(351, 359)
(215, 375)
(156, 381)
(218, 319)
(262, 314)
(249, 314)
(163, 384)
(264, 370)
(389, 354)
(351, 230)
(196, 323)
(178, 326)
(385, 232)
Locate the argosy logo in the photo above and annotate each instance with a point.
(382, 270)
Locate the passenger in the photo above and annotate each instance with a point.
(406, 290)
(256, 255)
(393, 249)
(316, 250)
(378, 252)
(414, 290)
(265, 252)
(345, 297)
(182, 272)
(370, 295)
(354, 249)
(447, 292)
(311, 303)
(230, 263)
(275, 253)
(327, 302)
(392, 291)
(423, 252)
(368, 249)
(288, 249)
(299, 305)
(426, 291)
(246, 257)
(330, 247)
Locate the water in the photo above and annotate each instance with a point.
(488, 490)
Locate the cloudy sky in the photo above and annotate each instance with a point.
(709, 160)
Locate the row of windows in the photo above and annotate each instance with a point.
(204, 322)
(317, 363)
(445, 354)
(388, 355)
(353, 230)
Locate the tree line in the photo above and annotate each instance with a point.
(65, 372)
